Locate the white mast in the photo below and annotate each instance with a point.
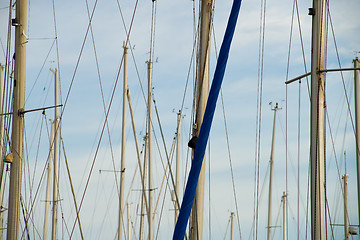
(48, 184)
(143, 200)
(284, 216)
(346, 216)
(2, 148)
(123, 135)
(149, 150)
(271, 173)
(317, 119)
(202, 85)
(232, 226)
(177, 183)
(18, 119)
(56, 156)
(357, 130)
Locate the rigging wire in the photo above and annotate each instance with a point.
(307, 200)
(286, 154)
(31, 183)
(302, 45)
(209, 175)
(277, 220)
(103, 102)
(110, 103)
(66, 99)
(71, 185)
(286, 112)
(7, 78)
(57, 49)
(166, 153)
(260, 198)
(258, 115)
(192, 65)
(298, 163)
(227, 227)
(228, 146)
(295, 6)
(341, 73)
(337, 198)
(37, 77)
(331, 225)
(152, 29)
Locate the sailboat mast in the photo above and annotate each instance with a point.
(56, 156)
(346, 216)
(317, 120)
(271, 173)
(232, 226)
(202, 85)
(122, 172)
(143, 200)
(357, 130)
(2, 148)
(20, 23)
(48, 183)
(150, 149)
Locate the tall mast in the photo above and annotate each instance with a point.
(357, 130)
(346, 215)
(317, 119)
(143, 200)
(56, 156)
(232, 226)
(18, 119)
(122, 172)
(284, 216)
(202, 85)
(271, 173)
(177, 182)
(48, 183)
(2, 148)
(150, 218)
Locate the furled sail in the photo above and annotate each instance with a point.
(191, 184)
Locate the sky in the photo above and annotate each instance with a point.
(83, 115)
